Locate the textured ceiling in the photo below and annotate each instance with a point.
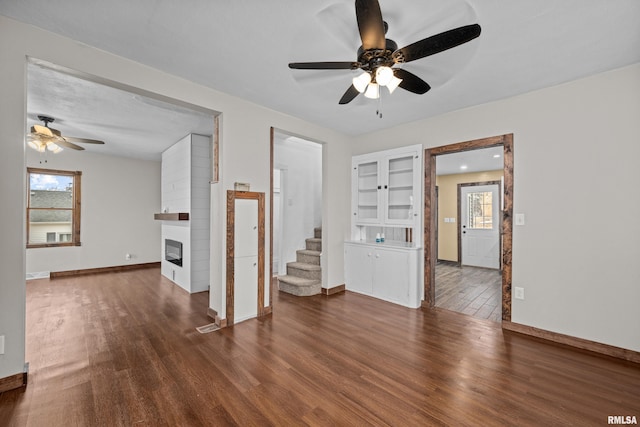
(243, 48)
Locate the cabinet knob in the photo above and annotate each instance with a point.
(377, 255)
(369, 254)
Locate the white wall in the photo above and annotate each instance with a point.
(576, 179)
(244, 157)
(119, 197)
(301, 191)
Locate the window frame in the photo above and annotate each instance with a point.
(75, 209)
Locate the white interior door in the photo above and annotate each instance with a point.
(245, 294)
(480, 225)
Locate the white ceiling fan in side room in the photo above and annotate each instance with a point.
(44, 138)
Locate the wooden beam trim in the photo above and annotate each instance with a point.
(568, 340)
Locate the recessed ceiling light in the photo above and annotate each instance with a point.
(463, 167)
(496, 156)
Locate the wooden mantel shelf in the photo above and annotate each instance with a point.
(176, 216)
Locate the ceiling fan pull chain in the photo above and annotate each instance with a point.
(379, 110)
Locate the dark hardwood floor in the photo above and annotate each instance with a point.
(468, 290)
(121, 349)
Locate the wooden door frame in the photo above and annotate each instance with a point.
(231, 209)
(506, 141)
(475, 184)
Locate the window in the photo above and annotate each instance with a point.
(53, 208)
(480, 210)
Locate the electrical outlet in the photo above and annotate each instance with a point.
(1, 344)
(519, 293)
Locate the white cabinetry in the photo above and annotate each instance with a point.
(386, 198)
(245, 260)
(390, 273)
(386, 187)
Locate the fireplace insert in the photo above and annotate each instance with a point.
(173, 251)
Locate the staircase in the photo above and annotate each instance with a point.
(304, 276)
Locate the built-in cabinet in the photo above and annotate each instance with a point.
(386, 187)
(246, 297)
(390, 273)
(386, 200)
(245, 260)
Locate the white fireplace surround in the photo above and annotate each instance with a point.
(186, 172)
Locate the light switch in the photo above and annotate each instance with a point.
(519, 219)
(452, 220)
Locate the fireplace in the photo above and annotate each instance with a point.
(173, 251)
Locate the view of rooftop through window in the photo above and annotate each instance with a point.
(53, 208)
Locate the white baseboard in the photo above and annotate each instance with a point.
(38, 275)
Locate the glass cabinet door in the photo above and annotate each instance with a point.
(368, 194)
(400, 190)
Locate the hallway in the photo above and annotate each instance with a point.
(469, 290)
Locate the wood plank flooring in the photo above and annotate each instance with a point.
(468, 290)
(121, 349)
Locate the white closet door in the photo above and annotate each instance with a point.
(246, 228)
(245, 297)
(246, 260)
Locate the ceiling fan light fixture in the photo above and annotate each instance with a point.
(384, 75)
(53, 147)
(373, 91)
(393, 84)
(360, 82)
(37, 145)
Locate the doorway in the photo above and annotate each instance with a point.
(296, 208)
(506, 142)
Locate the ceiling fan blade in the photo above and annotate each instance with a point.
(56, 132)
(64, 143)
(349, 95)
(436, 44)
(324, 65)
(411, 82)
(82, 140)
(41, 130)
(370, 24)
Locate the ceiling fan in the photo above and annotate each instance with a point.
(377, 55)
(44, 138)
